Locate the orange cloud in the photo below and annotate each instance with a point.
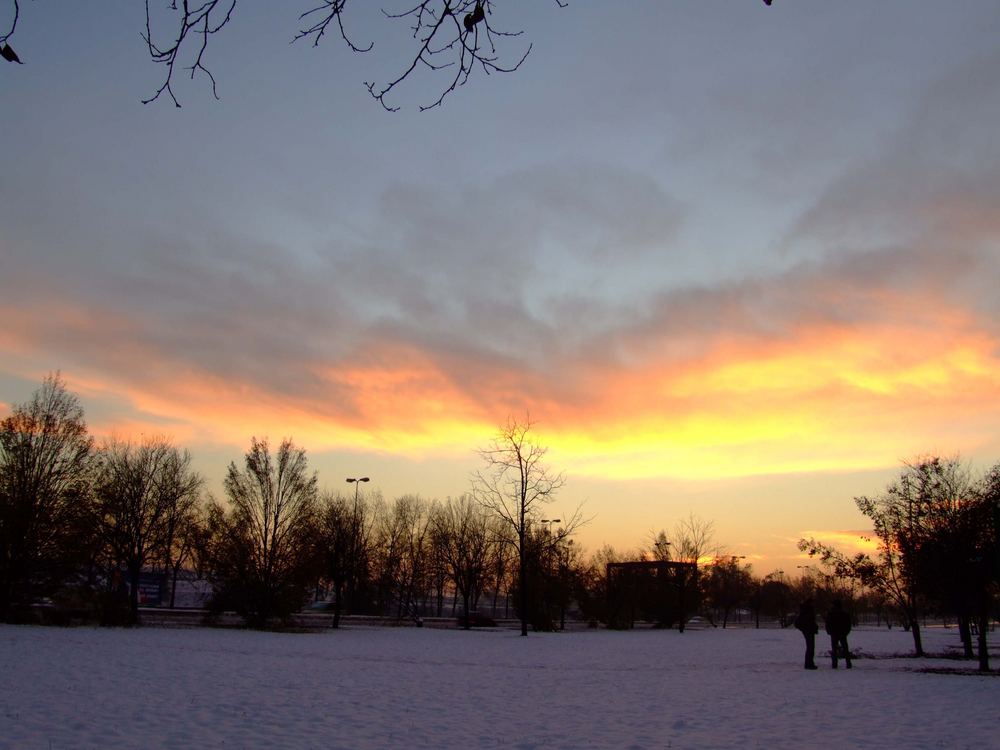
(821, 396)
(848, 397)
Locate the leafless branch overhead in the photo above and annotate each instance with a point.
(451, 39)
(203, 21)
(13, 23)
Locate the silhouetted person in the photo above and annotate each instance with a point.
(806, 622)
(838, 625)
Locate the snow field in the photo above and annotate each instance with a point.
(424, 688)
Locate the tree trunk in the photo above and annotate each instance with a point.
(173, 586)
(965, 633)
(680, 600)
(133, 595)
(984, 652)
(918, 645)
(522, 575)
(338, 594)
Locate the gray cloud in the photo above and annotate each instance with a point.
(524, 280)
(940, 166)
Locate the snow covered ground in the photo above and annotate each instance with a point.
(426, 688)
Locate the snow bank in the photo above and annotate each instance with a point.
(422, 688)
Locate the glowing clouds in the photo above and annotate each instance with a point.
(802, 372)
(830, 398)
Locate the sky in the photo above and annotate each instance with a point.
(734, 261)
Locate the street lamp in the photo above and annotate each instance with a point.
(357, 485)
(356, 481)
(550, 521)
(355, 533)
(547, 552)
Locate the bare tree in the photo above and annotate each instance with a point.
(337, 537)
(45, 457)
(264, 554)
(693, 539)
(986, 555)
(466, 539)
(593, 580)
(345, 530)
(903, 519)
(957, 547)
(181, 531)
(774, 597)
(451, 39)
(403, 552)
(728, 586)
(514, 484)
(6, 51)
(141, 491)
(502, 572)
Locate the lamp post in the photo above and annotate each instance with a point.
(550, 521)
(564, 583)
(355, 536)
(356, 481)
(727, 569)
(546, 562)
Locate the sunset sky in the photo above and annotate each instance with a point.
(735, 260)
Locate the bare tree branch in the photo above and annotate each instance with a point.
(452, 38)
(13, 23)
(204, 20)
(514, 483)
(329, 11)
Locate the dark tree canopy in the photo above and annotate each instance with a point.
(45, 458)
(514, 484)
(262, 556)
(936, 532)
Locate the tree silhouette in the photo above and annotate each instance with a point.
(466, 540)
(451, 39)
(6, 51)
(935, 528)
(140, 492)
(262, 548)
(514, 484)
(45, 458)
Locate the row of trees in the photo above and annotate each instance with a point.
(80, 523)
(937, 531)
(71, 514)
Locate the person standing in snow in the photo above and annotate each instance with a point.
(838, 625)
(806, 623)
